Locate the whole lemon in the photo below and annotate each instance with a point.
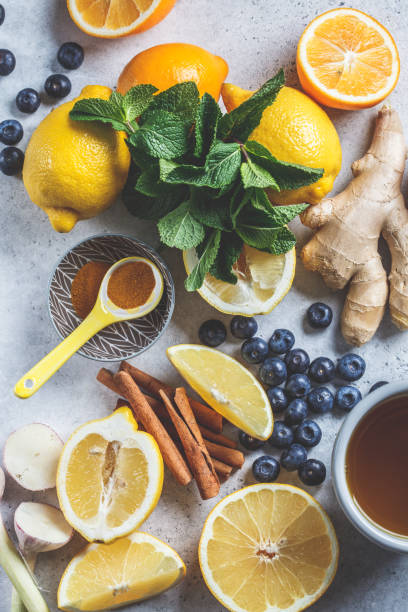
(295, 129)
(74, 170)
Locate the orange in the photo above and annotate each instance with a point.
(170, 63)
(116, 18)
(348, 60)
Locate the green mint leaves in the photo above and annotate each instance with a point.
(199, 176)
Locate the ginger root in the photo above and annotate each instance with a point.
(345, 247)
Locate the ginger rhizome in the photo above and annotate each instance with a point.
(345, 246)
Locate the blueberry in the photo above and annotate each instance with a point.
(319, 315)
(350, 367)
(273, 371)
(377, 385)
(320, 400)
(308, 433)
(297, 361)
(312, 472)
(281, 341)
(296, 412)
(347, 397)
(2, 14)
(11, 161)
(28, 100)
(70, 55)
(298, 385)
(57, 86)
(7, 62)
(11, 131)
(243, 327)
(277, 399)
(266, 468)
(322, 370)
(212, 332)
(282, 435)
(254, 350)
(293, 457)
(249, 442)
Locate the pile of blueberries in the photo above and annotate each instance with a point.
(70, 56)
(304, 391)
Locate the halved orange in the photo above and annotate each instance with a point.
(348, 60)
(116, 18)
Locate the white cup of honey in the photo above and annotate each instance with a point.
(370, 466)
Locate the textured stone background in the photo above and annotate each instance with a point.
(256, 37)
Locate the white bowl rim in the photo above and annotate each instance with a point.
(368, 528)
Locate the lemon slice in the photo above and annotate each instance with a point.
(131, 569)
(263, 281)
(226, 385)
(268, 547)
(109, 478)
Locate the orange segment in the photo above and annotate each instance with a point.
(346, 59)
(115, 18)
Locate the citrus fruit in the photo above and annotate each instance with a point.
(263, 280)
(171, 63)
(131, 569)
(226, 385)
(346, 59)
(267, 548)
(115, 18)
(74, 170)
(295, 129)
(110, 477)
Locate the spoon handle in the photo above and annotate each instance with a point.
(44, 369)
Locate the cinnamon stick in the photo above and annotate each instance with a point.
(231, 456)
(196, 452)
(223, 470)
(217, 438)
(152, 424)
(205, 415)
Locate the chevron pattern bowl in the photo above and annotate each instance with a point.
(122, 340)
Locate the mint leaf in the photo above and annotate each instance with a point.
(211, 212)
(180, 229)
(206, 121)
(228, 254)
(284, 241)
(238, 201)
(222, 165)
(162, 135)
(208, 255)
(136, 100)
(97, 109)
(287, 175)
(149, 208)
(280, 215)
(241, 122)
(259, 237)
(181, 99)
(181, 174)
(149, 182)
(253, 175)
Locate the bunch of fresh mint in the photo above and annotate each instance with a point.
(196, 173)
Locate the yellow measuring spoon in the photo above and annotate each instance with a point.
(104, 313)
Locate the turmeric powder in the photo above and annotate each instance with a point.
(85, 286)
(131, 285)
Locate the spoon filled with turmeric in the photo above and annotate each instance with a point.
(130, 289)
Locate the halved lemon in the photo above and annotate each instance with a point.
(263, 280)
(110, 477)
(226, 385)
(115, 18)
(131, 569)
(348, 60)
(267, 548)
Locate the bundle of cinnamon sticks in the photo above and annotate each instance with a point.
(187, 432)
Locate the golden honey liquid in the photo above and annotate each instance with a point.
(377, 464)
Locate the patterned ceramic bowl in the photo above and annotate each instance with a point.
(122, 340)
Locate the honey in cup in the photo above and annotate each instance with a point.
(377, 465)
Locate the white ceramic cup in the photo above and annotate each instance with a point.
(370, 529)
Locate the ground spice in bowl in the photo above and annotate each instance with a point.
(85, 286)
(131, 285)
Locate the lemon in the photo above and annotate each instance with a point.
(263, 280)
(131, 569)
(226, 385)
(295, 129)
(268, 548)
(74, 170)
(110, 477)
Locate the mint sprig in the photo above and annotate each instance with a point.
(198, 174)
